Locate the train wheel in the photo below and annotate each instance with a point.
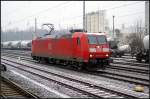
(65, 63)
(34, 57)
(57, 62)
(107, 63)
(42, 60)
(103, 66)
(39, 59)
(54, 61)
(80, 66)
(46, 60)
(50, 61)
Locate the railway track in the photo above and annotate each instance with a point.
(131, 63)
(128, 61)
(10, 89)
(132, 68)
(141, 80)
(18, 53)
(112, 73)
(143, 70)
(75, 84)
(116, 60)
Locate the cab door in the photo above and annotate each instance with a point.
(77, 48)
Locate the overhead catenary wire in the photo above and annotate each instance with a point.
(13, 11)
(108, 9)
(124, 5)
(40, 12)
(63, 18)
(131, 14)
(80, 16)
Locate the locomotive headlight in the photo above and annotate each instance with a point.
(91, 55)
(92, 49)
(98, 47)
(107, 55)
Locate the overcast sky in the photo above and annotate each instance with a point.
(21, 14)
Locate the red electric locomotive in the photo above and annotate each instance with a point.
(84, 50)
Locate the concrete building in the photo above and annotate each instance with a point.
(96, 21)
(147, 17)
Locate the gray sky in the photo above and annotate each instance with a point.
(21, 14)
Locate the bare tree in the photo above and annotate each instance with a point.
(135, 40)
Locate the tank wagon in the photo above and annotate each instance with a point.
(114, 48)
(144, 54)
(124, 48)
(7, 44)
(80, 49)
(26, 44)
(16, 44)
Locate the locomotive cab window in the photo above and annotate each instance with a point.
(78, 41)
(92, 39)
(101, 39)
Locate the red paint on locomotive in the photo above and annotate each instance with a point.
(79, 47)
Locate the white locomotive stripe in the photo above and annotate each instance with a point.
(43, 86)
